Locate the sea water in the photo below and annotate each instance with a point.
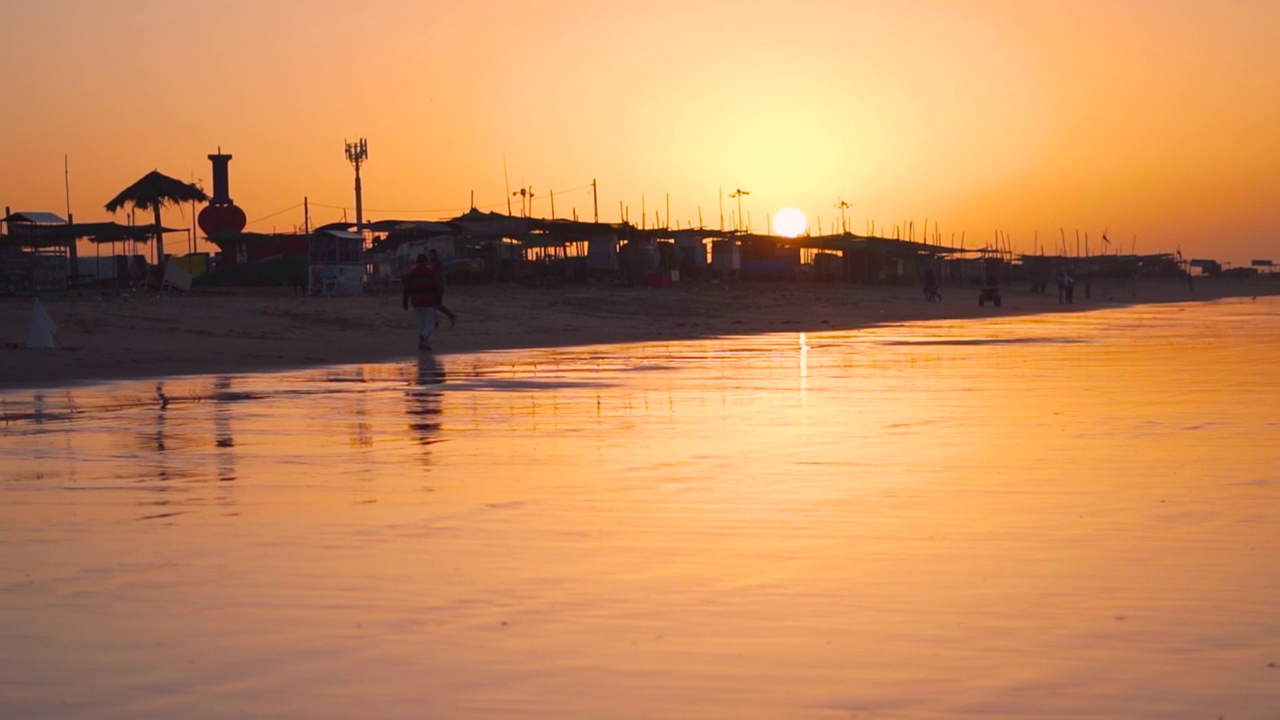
(1057, 516)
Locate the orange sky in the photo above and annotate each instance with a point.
(1151, 118)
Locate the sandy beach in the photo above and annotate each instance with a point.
(119, 336)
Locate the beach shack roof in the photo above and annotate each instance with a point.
(247, 238)
(425, 227)
(35, 218)
(576, 227)
(342, 234)
(490, 224)
(105, 232)
(849, 241)
(64, 233)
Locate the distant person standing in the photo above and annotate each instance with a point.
(422, 290)
(438, 268)
(931, 285)
(1062, 286)
(1069, 283)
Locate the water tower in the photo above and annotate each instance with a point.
(221, 215)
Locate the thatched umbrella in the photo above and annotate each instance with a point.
(153, 191)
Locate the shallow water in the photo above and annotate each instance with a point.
(1053, 516)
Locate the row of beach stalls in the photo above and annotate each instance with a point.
(39, 253)
(482, 246)
(492, 246)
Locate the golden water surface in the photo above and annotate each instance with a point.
(1070, 516)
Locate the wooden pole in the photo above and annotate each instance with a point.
(506, 179)
(159, 237)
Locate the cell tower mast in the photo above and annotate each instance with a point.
(357, 153)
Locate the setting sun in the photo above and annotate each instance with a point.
(790, 222)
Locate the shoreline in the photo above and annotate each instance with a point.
(109, 337)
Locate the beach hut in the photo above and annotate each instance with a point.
(694, 252)
(335, 263)
(152, 192)
(602, 253)
(766, 257)
(573, 250)
(726, 258)
(244, 248)
(39, 248)
(35, 259)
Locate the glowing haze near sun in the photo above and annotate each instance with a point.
(790, 222)
(1152, 121)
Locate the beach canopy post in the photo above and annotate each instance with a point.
(42, 328)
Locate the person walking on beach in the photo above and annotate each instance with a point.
(438, 268)
(1062, 286)
(1069, 283)
(931, 285)
(422, 290)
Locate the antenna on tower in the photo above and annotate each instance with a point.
(357, 153)
(844, 227)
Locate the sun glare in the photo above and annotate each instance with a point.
(790, 222)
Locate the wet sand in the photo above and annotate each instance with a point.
(110, 336)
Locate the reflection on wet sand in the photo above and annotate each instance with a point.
(224, 441)
(810, 526)
(423, 399)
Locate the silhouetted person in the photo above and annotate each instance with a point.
(1069, 284)
(438, 266)
(422, 290)
(931, 285)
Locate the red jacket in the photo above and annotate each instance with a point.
(421, 287)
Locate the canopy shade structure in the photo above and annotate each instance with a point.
(97, 232)
(153, 191)
(115, 232)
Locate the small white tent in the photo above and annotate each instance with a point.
(42, 328)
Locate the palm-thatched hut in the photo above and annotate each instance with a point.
(153, 191)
